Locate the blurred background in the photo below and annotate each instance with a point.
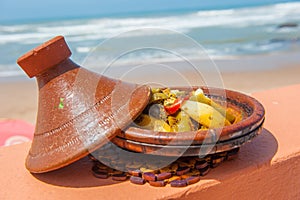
(254, 44)
(226, 29)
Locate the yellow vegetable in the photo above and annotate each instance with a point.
(199, 96)
(181, 123)
(173, 123)
(151, 123)
(158, 97)
(155, 90)
(238, 115)
(184, 122)
(161, 126)
(204, 114)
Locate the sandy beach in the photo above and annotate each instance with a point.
(19, 98)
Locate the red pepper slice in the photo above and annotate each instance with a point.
(173, 108)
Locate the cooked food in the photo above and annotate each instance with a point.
(181, 111)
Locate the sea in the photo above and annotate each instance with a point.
(220, 33)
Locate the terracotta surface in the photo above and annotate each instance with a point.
(78, 110)
(38, 60)
(267, 168)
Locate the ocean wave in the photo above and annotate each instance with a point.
(24, 38)
(271, 14)
(14, 28)
(222, 33)
(11, 73)
(10, 70)
(102, 28)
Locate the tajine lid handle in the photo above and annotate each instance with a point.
(45, 56)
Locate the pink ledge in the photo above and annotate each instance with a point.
(267, 168)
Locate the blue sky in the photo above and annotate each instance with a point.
(11, 10)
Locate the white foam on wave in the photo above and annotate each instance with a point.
(83, 49)
(11, 73)
(14, 28)
(24, 37)
(272, 14)
(102, 28)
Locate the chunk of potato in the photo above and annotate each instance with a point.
(204, 114)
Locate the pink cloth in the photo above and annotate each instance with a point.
(13, 131)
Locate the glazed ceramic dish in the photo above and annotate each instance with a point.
(200, 142)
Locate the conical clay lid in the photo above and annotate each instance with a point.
(78, 110)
